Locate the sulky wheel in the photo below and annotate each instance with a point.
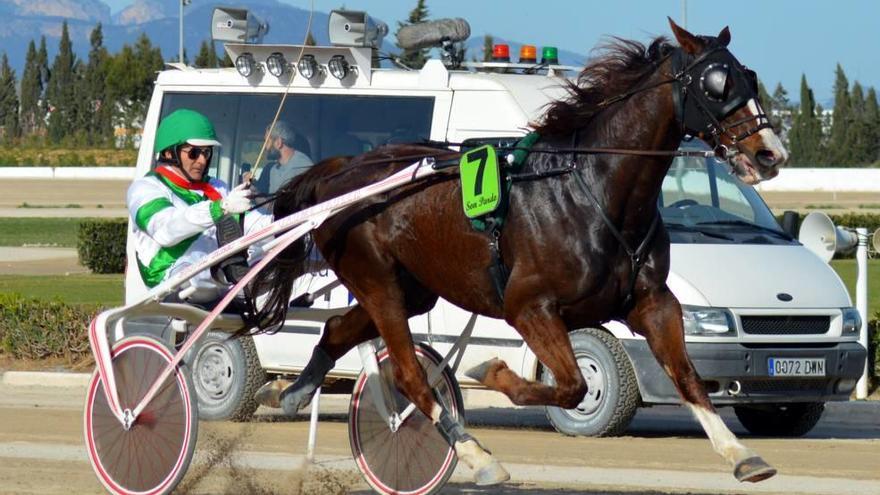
(415, 459)
(153, 455)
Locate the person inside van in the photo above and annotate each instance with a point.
(285, 160)
(180, 215)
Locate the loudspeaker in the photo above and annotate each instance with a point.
(353, 28)
(819, 235)
(237, 25)
(875, 241)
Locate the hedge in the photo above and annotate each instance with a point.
(39, 329)
(101, 244)
(67, 157)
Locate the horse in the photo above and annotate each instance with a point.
(567, 243)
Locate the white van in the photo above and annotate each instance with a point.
(769, 326)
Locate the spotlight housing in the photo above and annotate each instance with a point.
(276, 64)
(245, 64)
(308, 67)
(339, 67)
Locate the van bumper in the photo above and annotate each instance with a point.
(722, 365)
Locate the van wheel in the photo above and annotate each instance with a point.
(780, 420)
(226, 374)
(612, 395)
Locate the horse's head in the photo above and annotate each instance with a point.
(716, 99)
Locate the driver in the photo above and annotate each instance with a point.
(178, 211)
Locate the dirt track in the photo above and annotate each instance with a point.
(41, 452)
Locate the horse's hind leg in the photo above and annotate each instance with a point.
(385, 303)
(341, 333)
(657, 316)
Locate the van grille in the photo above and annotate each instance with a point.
(768, 386)
(786, 325)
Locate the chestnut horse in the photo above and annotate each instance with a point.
(569, 240)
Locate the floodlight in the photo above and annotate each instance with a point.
(276, 64)
(309, 67)
(339, 67)
(245, 64)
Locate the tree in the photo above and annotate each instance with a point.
(782, 113)
(45, 76)
(93, 93)
(207, 57)
(872, 118)
(488, 45)
(310, 39)
(857, 139)
(805, 137)
(8, 102)
(61, 90)
(31, 91)
(130, 79)
(414, 59)
(838, 148)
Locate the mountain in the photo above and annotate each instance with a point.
(30, 19)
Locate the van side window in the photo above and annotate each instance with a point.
(320, 126)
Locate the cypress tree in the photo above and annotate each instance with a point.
(857, 138)
(61, 90)
(782, 113)
(8, 102)
(31, 89)
(207, 57)
(94, 94)
(488, 44)
(872, 120)
(838, 150)
(130, 80)
(45, 76)
(805, 137)
(310, 39)
(414, 59)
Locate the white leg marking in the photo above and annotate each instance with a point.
(471, 454)
(723, 440)
(435, 413)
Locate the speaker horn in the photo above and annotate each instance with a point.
(237, 25)
(819, 235)
(354, 28)
(875, 240)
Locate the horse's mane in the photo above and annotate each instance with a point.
(619, 67)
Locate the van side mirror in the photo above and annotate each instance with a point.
(790, 223)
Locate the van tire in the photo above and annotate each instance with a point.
(226, 374)
(780, 420)
(613, 393)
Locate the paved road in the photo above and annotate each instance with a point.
(664, 452)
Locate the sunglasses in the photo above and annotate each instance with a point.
(196, 151)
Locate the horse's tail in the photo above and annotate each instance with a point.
(277, 278)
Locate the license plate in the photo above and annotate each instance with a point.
(796, 366)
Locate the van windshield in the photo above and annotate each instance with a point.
(702, 203)
(321, 126)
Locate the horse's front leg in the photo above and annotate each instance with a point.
(547, 336)
(657, 316)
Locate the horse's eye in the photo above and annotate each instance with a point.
(713, 82)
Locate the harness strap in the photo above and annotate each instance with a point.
(636, 256)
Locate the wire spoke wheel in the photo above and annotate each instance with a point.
(153, 455)
(415, 459)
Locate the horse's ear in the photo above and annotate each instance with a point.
(724, 36)
(688, 42)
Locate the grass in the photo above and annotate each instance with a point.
(39, 231)
(102, 290)
(847, 270)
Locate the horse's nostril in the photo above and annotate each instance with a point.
(766, 158)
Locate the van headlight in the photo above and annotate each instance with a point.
(852, 322)
(707, 322)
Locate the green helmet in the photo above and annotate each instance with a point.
(185, 126)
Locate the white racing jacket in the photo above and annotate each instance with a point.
(173, 227)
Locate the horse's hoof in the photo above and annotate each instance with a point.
(479, 371)
(292, 400)
(269, 395)
(491, 474)
(753, 470)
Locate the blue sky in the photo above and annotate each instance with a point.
(780, 39)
